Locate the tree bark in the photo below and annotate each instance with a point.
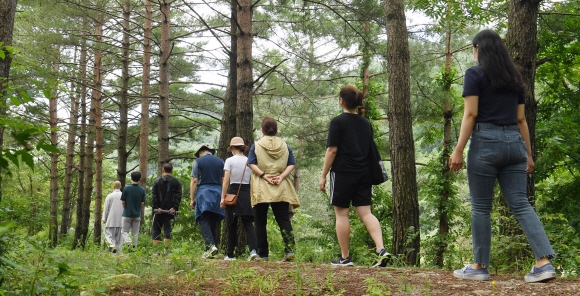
(164, 85)
(7, 12)
(78, 239)
(98, 130)
(122, 154)
(145, 93)
(70, 150)
(521, 41)
(228, 124)
(53, 118)
(406, 236)
(244, 109)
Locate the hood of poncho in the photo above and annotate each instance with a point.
(274, 146)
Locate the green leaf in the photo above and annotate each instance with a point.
(63, 268)
(27, 158)
(2, 54)
(15, 101)
(47, 93)
(12, 157)
(24, 95)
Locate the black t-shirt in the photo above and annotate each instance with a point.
(499, 108)
(351, 134)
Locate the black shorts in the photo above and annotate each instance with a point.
(350, 187)
(159, 220)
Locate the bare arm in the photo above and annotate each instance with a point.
(329, 157)
(225, 185)
(525, 132)
(192, 189)
(469, 115)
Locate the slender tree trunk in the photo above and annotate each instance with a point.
(406, 237)
(98, 130)
(164, 85)
(122, 154)
(145, 93)
(78, 239)
(445, 172)
(366, 61)
(7, 11)
(70, 152)
(522, 43)
(244, 109)
(228, 124)
(53, 224)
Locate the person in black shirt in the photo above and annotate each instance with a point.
(167, 194)
(348, 146)
(500, 150)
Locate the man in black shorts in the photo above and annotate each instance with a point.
(166, 196)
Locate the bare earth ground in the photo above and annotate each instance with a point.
(219, 277)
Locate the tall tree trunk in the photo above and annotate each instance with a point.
(445, 172)
(145, 93)
(7, 11)
(244, 109)
(53, 223)
(522, 43)
(124, 99)
(228, 124)
(366, 60)
(78, 239)
(406, 237)
(98, 130)
(164, 85)
(70, 150)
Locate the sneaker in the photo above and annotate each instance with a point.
(541, 274)
(253, 256)
(228, 258)
(213, 250)
(468, 273)
(288, 257)
(383, 258)
(341, 261)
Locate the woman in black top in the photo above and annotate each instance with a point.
(348, 147)
(499, 149)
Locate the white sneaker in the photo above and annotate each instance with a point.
(253, 256)
(230, 258)
(213, 250)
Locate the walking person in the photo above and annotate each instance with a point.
(494, 97)
(347, 158)
(237, 179)
(113, 219)
(133, 199)
(205, 195)
(166, 192)
(272, 161)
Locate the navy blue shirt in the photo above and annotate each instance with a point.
(500, 108)
(208, 169)
(351, 134)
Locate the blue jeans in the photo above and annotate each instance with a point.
(498, 152)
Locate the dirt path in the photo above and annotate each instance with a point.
(247, 278)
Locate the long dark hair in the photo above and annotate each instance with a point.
(498, 66)
(352, 98)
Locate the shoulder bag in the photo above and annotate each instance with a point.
(378, 172)
(231, 199)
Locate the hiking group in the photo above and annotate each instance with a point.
(499, 149)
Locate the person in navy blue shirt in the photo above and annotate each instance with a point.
(205, 195)
(494, 119)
